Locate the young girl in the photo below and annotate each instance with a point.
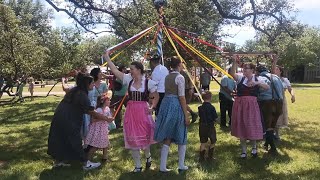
(97, 137)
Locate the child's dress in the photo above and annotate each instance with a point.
(98, 131)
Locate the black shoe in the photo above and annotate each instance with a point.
(194, 117)
(273, 152)
(148, 163)
(210, 154)
(223, 126)
(104, 160)
(182, 170)
(137, 170)
(202, 153)
(254, 152)
(243, 155)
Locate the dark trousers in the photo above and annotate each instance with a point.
(205, 87)
(271, 110)
(225, 105)
(161, 95)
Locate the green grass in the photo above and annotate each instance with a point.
(24, 131)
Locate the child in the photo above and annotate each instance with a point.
(31, 87)
(97, 137)
(208, 115)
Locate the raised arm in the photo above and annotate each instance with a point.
(112, 67)
(233, 68)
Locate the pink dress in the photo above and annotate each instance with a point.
(98, 131)
(138, 125)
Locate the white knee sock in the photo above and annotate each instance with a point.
(182, 153)
(254, 146)
(136, 157)
(147, 154)
(243, 143)
(164, 157)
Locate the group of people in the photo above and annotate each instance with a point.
(82, 119)
(19, 83)
(256, 104)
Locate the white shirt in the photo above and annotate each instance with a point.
(159, 75)
(260, 79)
(152, 85)
(285, 83)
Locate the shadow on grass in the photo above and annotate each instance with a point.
(153, 174)
(21, 143)
(75, 173)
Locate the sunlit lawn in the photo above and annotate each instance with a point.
(24, 131)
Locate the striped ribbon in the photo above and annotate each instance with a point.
(197, 39)
(183, 64)
(198, 53)
(128, 41)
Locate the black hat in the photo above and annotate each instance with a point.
(154, 57)
(262, 68)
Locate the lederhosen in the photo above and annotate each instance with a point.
(271, 109)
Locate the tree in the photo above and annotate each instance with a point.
(21, 53)
(271, 17)
(303, 50)
(33, 14)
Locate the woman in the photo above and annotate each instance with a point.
(283, 119)
(246, 119)
(138, 126)
(172, 120)
(99, 88)
(64, 142)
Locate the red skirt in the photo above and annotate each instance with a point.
(246, 118)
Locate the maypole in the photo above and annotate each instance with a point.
(159, 5)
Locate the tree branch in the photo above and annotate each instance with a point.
(72, 16)
(253, 14)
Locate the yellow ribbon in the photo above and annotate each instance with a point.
(184, 66)
(115, 56)
(202, 56)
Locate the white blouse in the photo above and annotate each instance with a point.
(260, 79)
(152, 85)
(285, 82)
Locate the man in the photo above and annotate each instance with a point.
(188, 94)
(159, 73)
(270, 102)
(227, 88)
(205, 79)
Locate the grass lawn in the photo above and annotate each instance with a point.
(24, 131)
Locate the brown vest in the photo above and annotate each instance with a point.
(170, 86)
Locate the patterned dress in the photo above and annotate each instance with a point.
(170, 122)
(98, 131)
(246, 117)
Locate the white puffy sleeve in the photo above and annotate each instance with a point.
(152, 86)
(239, 77)
(287, 82)
(126, 79)
(99, 110)
(181, 85)
(263, 80)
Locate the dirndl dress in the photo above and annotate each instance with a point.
(138, 125)
(246, 117)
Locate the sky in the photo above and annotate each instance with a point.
(309, 13)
